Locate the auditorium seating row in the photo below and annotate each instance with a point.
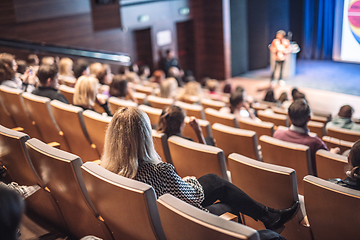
(86, 199)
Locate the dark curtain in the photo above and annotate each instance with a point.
(319, 18)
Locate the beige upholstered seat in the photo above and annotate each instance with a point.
(196, 159)
(272, 185)
(181, 220)
(261, 128)
(116, 103)
(343, 134)
(127, 206)
(159, 102)
(332, 142)
(189, 132)
(144, 89)
(68, 92)
(292, 155)
(12, 99)
(5, 117)
(332, 210)
(40, 111)
(161, 146)
(330, 165)
(15, 157)
(141, 97)
(96, 126)
(192, 110)
(277, 119)
(214, 116)
(70, 120)
(317, 127)
(235, 140)
(61, 173)
(153, 113)
(208, 103)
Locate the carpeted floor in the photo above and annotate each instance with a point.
(323, 75)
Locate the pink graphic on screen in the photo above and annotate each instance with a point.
(354, 18)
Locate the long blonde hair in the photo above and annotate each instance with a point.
(168, 88)
(128, 142)
(65, 67)
(85, 91)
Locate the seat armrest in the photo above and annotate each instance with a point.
(229, 216)
(54, 144)
(18, 129)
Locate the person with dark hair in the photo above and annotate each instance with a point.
(283, 97)
(300, 114)
(119, 88)
(11, 210)
(296, 94)
(21, 66)
(80, 67)
(238, 105)
(344, 119)
(134, 68)
(33, 60)
(48, 78)
(144, 73)
(280, 46)
(269, 96)
(169, 61)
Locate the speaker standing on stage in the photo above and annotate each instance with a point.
(280, 46)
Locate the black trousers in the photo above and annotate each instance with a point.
(281, 63)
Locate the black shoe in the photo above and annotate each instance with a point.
(283, 216)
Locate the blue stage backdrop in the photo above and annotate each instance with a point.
(318, 33)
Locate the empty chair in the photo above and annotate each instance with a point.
(159, 102)
(181, 220)
(116, 103)
(188, 131)
(277, 119)
(61, 173)
(330, 165)
(214, 116)
(5, 117)
(195, 159)
(343, 134)
(235, 140)
(140, 97)
(127, 206)
(279, 110)
(153, 114)
(332, 142)
(261, 128)
(317, 127)
(320, 113)
(272, 185)
(315, 118)
(70, 120)
(40, 111)
(12, 99)
(292, 155)
(208, 103)
(161, 146)
(332, 210)
(14, 156)
(144, 89)
(260, 106)
(68, 92)
(96, 125)
(192, 110)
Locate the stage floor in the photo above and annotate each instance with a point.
(323, 75)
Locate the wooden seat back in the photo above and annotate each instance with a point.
(198, 224)
(292, 155)
(153, 114)
(68, 92)
(159, 102)
(261, 128)
(127, 206)
(332, 142)
(61, 173)
(188, 131)
(332, 210)
(330, 165)
(5, 117)
(144, 89)
(343, 134)
(192, 110)
(208, 103)
(71, 122)
(317, 127)
(214, 116)
(161, 146)
(195, 159)
(96, 125)
(116, 103)
(140, 97)
(277, 119)
(235, 140)
(12, 99)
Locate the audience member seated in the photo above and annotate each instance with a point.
(134, 68)
(48, 60)
(174, 72)
(32, 60)
(299, 113)
(48, 78)
(86, 89)
(171, 122)
(144, 73)
(188, 76)
(212, 85)
(8, 68)
(295, 94)
(119, 88)
(344, 119)
(12, 207)
(169, 61)
(81, 67)
(135, 157)
(352, 170)
(191, 89)
(21, 68)
(168, 88)
(283, 97)
(237, 103)
(66, 70)
(157, 77)
(269, 96)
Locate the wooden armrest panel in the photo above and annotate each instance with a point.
(54, 144)
(229, 216)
